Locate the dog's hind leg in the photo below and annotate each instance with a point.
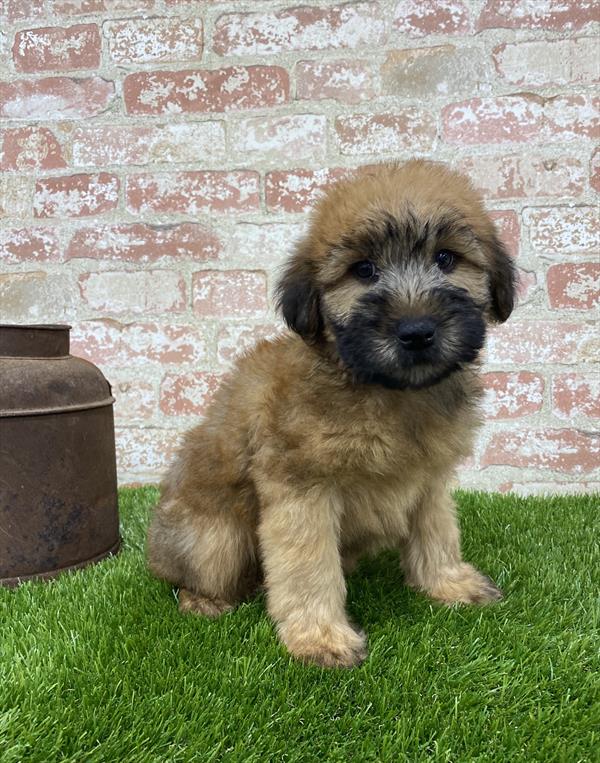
(211, 556)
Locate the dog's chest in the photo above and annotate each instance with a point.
(390, 465)
(375, 512)
(390, 441)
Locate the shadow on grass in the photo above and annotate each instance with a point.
(377, 593)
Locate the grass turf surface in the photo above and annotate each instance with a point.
(99, 666)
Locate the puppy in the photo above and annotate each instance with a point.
(340, 438)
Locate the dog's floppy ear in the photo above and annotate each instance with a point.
(297, 296)
(503, 278)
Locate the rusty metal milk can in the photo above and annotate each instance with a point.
(58, 483)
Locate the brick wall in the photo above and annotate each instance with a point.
(160, 156)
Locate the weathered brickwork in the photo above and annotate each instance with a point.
(159, 158)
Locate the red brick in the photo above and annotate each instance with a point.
(163, 343)
(526, 285)
(36, 297)
(562, 450)
(571, 117)
(555, 15)
(548, 62)
(193, 192)
(57, 48)
(205, 90)
(409, 129)
(144, 452)
(507, 223)
(576, 395)
(348, 25)
(187, 394)
(521, 177)
(297, 190)
(574, 285)
(16, 194)
(76, 7)
(510, 395)
(28, 245)
(233, 340)
(513, 118)
(125, 145)
(140, 243)
(108, 342)
(344, 81)
(145, 291)
(30, 148)
(563, 229)
(229, 294)
(134, 398)
(521, 118)
(262, 246)
(595, 170)
(146, 40)
(295, 137)
(418, 18)
(441, 70)
(76, 195)
(23, 10)
(537, 342)
(97, 341)
(55, 98)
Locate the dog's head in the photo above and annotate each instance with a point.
(401, 271)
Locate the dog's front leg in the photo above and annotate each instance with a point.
(306, 591)
(432, 558)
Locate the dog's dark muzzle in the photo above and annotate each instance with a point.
(383, 346)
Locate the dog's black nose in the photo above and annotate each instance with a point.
(416, 333)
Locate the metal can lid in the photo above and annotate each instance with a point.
(34, 341)
(37, 374)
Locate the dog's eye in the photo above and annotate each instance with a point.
(364, 270)
(445, 260)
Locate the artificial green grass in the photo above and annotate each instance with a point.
(99, 666)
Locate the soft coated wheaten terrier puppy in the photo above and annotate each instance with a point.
(341, 437)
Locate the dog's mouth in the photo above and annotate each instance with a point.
(411, 352)
(416, 370)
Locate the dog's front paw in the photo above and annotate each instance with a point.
(464, 584)
(327, 645)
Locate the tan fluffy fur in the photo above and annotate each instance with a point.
(298, 469)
